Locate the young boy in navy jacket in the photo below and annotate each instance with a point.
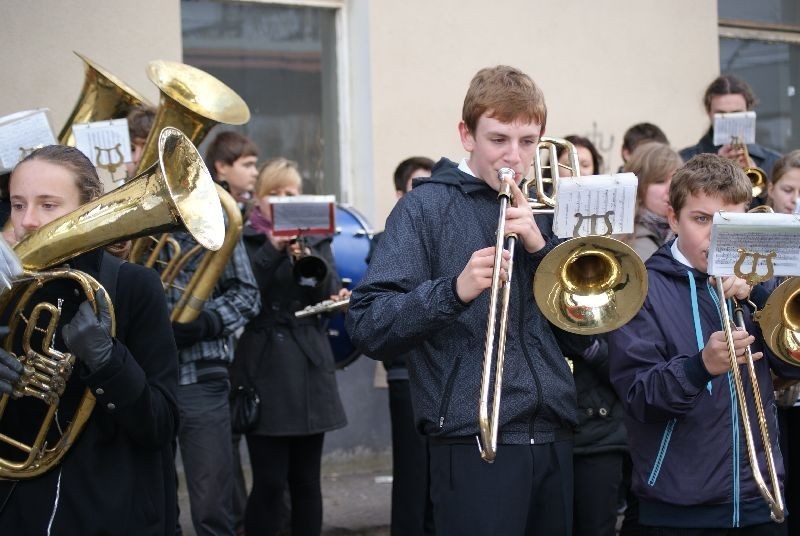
(671, 369)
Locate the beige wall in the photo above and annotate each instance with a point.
(39, 36)
(603, 65)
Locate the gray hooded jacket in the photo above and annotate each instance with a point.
(406, 303)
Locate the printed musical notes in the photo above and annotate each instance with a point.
(758, 235)
(740, 125)
(21, 133)
(599, 204)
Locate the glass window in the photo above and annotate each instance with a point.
(282, 60)
(769, 61)
(770, 11)
(772, 70)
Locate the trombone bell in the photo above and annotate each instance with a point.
(590, 285)
(780, 321)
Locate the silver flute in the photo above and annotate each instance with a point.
(322, 307)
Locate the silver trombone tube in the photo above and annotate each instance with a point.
(489, 424)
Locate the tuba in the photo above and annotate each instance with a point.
(104, 96)
(176, 192)
(194, 102)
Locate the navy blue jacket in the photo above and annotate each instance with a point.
(690, 462)
(406, 302)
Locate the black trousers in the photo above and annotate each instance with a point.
(527, 490)
(412, 509)
(597, 479)
(276, 462)
(789, 419)
(767, 529)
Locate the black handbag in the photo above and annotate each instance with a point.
(245, 407)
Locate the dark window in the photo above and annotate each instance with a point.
(282, 61)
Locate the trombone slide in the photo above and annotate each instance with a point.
(773, 497)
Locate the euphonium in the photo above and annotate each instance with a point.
(176, 192)
(103, 97)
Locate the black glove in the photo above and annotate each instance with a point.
(88, 335)
(205, 327)
(10, 370)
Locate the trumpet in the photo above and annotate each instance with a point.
(325, 306)
(757, 176)
(308, 270)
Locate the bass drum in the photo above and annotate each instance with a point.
(350, 249)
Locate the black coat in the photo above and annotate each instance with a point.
(119, 476)
(288, 360)
(763, 157)
(601, 426)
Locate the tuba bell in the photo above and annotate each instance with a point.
(104, 96)
(192, 101)
(176, 192)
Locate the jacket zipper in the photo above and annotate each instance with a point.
(448, 388)
(538, 404)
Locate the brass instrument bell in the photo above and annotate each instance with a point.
(103, 97)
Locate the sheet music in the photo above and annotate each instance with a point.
(759, 235)
(104, 142)
(311, 214)
(583, 201)
(735, 124)
(20, 133)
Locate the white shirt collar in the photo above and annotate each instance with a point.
(680, 257)
(463, 166)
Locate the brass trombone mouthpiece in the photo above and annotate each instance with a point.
(505, 174)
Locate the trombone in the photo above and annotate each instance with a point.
(586, 285)
(772, 496)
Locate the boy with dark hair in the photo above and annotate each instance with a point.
(638, 133)
(231, 158)
(670, 367)
(423, 295)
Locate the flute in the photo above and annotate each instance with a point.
(326, 306)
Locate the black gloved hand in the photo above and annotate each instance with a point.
(10, 370)
(205, 327)
(88, 335)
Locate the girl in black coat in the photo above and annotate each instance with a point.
(291, 365)
(118, 477)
